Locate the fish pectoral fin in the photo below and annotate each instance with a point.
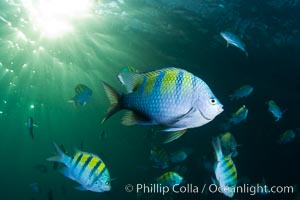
(177, 119)
(131, 118)
(131, 80)
(227, 45)
(81, 188)
(35, 125)
(174, 136)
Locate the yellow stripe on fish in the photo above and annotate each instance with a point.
(100, 168)
(150, 81)
(187, 81)
(169, 81)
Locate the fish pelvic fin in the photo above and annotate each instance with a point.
(174, 136)
(61, 157)
(115, 101)
(217, 147)
(131, 79)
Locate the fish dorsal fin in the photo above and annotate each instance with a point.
(131, 118)
(130, 78)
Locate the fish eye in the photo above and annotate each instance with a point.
(213, 101)
(106, 183)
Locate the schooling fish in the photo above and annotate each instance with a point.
(287, 136)
(225, 170)
(160, 157)
(275, 110)
(180, 155)
(85, 168)
(241, 92)
(170, 97)
(234, 40)
(82, 95)
(239, 116)
(229, 145)
(30, 126)
(169, 179)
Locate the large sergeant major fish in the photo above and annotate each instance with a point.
(170, 97)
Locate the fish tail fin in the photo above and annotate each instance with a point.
(115, 101)
(217, 147)
(61, 157)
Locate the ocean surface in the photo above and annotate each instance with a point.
(49, 47)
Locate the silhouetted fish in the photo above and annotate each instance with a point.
(30, 126)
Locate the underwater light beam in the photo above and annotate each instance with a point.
(53, 17)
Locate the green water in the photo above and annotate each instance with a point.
(44, 55)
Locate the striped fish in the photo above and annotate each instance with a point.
(85, 168)
(169, 179)
(82, 95)
(225, 170)
(170, 97)
(234, 40)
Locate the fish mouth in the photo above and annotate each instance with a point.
(220, 109)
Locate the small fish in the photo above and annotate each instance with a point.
(241, 92)
(170, 97)
(234, 40)
(221, 5)
(85, 168)
(169, 179)
(275, 110)
(160, 157)
(82, 95)
(225, 170)
(41, 168)
(287, 136)
(36, 187)
(180, 155)
(30, 126)
(229, 145)
(239, 116)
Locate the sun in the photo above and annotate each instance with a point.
(54, 18)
